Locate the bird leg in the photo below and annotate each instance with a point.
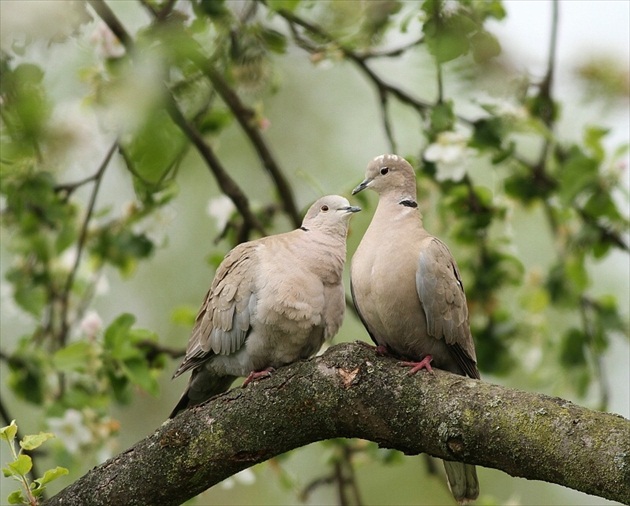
(425, 363)
(254, 375)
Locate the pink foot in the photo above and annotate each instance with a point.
(254, 375)
(425, 363)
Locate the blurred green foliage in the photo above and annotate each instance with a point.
(59, 243)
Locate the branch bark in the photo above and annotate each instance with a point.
(350, 392)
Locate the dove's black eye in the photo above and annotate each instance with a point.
(384, 170)
(324, 208)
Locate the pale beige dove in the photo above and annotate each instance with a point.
(408, 291)
(273, 301)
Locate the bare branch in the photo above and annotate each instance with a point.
(244, 116)
(358, 59)
(225, 181)
(65, 294)
(350, 392)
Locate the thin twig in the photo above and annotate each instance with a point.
(244, 116)
(358, 59)
(389, 132)
(348, 452)
(341, 483)
(65, 295)
(547, 83)
(113, 23)
(69, 188)
(153, 349)
(225, 181)
(390, 53)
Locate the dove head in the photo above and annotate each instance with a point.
(389, 174)
(329, 214)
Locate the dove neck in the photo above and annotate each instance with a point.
(398, 206)
(327, 251)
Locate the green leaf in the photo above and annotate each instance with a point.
(184, 315)
(27, 106)
(137, 336)
(577, 174)
(21, 465)
(154, 148)
(524, 187)
(28, 378)
(576, 273)
(73, 357)
(122, 248)
(17, 497)
(283, 5)
(493, 340)
(485, 46)
(139, 373)
(601, 205)
(32, 441)
(593, 137)
(572, 348)
(274, 40)
(52, 474)
(445, 43)
(30, 298)
(442, 118)
(8, 433)
(215, 121)
(608, 314)
(116, 337)
(213, 8)
(488, 133)
(543, 107)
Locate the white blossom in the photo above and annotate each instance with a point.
(71, 430)
(68, 258)
(91, 324)
(220, 208)
(505, 108)
(107, 44)
(450, 153)
(450, 7)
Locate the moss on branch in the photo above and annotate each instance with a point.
(351, 392)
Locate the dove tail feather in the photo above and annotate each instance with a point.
(201, 387)
(462, 480)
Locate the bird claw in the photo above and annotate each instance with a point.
(256, 375)
(425, 363)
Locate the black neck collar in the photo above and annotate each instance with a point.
(408, 203)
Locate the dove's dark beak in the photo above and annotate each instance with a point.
(362, 186)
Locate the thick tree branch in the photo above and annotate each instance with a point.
(351, 392)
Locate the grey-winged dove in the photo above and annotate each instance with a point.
(408, 291)
(273, 301)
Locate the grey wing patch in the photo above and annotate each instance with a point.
(441, 292)
(224, 320)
